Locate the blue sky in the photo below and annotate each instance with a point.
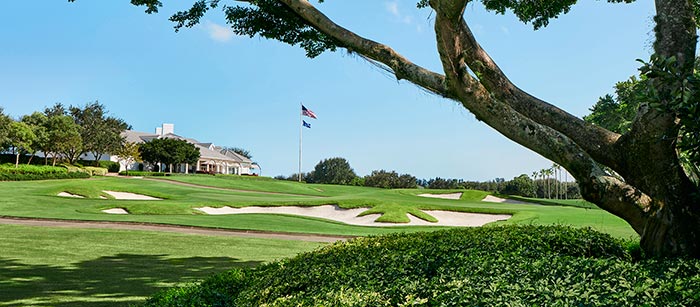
(239, 91)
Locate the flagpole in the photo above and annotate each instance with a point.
(301, 123)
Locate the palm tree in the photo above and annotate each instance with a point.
(549, 172)
(543, 172)
(557, 175)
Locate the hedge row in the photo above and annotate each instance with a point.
(31, 169)
(494, 266)
(24, 177)
(141, 173)
(8, 172)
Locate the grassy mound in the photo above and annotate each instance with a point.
(496, 266)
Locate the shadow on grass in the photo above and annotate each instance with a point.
(117, 280)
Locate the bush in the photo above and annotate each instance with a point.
(140, 173)
(8, 172)
(493, 266)
(96, 171)
(111, 166)
(31, 169)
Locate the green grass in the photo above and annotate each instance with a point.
(38, 199)
(580, 203)
(97, 267)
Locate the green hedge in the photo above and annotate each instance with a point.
(96, 171)
(141, 173)
(8, 172)
(31, 169)
(24, 177)
(111, 166)
(494, 266)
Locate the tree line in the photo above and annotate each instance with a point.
(62, 133)
(542, 184)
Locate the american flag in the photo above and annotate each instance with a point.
(307, 112)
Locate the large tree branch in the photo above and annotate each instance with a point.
(595, 140)
(615, 196)
(401, 67)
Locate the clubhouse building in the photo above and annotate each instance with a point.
(212, 159)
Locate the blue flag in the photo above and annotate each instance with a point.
(307, 125)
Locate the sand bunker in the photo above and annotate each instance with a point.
(349, 216)
(494, 199)
(130, 196)
(443, 196)
(115, 211)
(66, 194)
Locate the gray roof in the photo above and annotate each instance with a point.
(138, 137)
(235, 156)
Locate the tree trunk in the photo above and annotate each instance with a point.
(17, 159)
(673, 231)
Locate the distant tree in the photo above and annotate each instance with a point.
(128, 153)
(445, 184)
(521, 185)
(186, 153)
(37, 121)
(153, 152)
(56, 110)
(389, 180)
(240, 151)
(4, 129)
(333, 171)
(101, 133)
(21, 137)
(168, 152)
(63, 138)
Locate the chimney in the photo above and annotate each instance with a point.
(159, 131)
(168, 128)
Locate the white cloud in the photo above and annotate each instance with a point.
(393, 8)
(218, 32)
(505, 30)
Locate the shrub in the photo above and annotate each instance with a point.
(96, 171)
(8, 172)
(32, 169)
(111, 166)
(493, 266)
(23, 177)
(140, 173)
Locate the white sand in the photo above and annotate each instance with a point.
(494, 199)
(130, 196)
(349, 216)
(443, 196)
(66, 194)
(115, 211)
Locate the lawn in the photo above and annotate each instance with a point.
(91, 267)
(68, 267)
(38, 199)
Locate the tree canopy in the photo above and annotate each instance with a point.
(333, 171)
(168, 151)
